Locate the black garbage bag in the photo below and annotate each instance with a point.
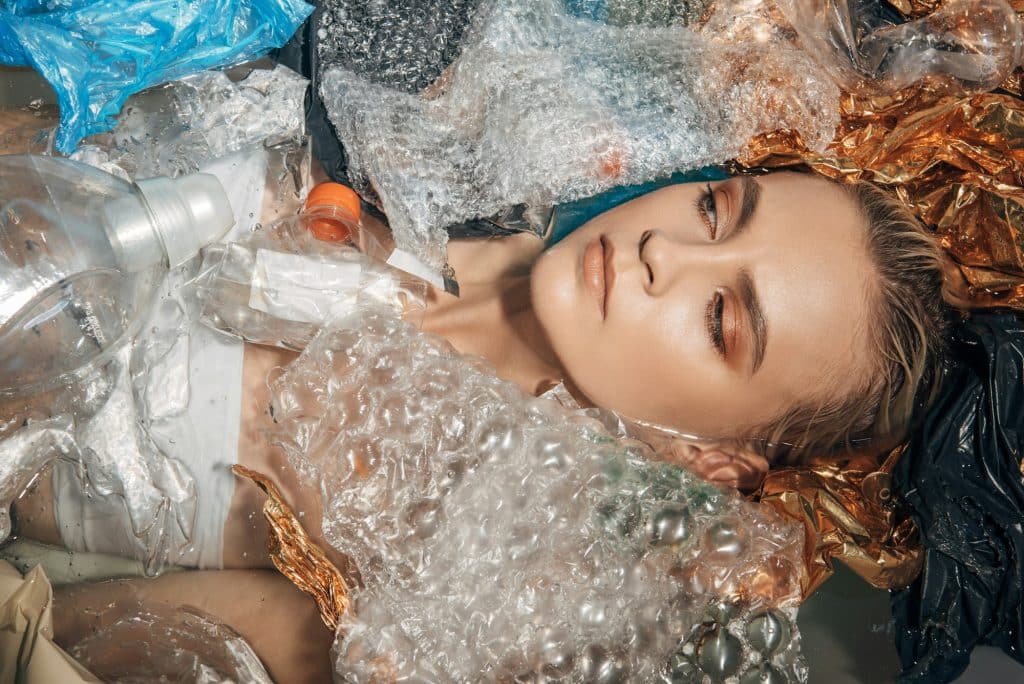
(962, 476)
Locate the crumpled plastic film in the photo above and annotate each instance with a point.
(972, 45)
(499, 534)
(27, 452)
(963, 476)
(544, 106)
(144, 643)
(96, 54)
(171, 130)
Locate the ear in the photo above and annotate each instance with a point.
(726, 464)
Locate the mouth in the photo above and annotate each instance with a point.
(598, 272)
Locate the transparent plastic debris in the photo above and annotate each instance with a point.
(81, 253)
(175, 128)
(143, 643)
(971, 45)
(25, 454)
(279, 284)
(543, 106)
(500, 535)
(95, 54)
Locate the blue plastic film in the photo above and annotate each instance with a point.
(95, 54)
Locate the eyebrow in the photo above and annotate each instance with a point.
(751, 192)
(759, 328)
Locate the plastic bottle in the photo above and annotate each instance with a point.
(81, 253)
(278, 285)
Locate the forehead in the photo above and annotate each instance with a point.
(813, 273)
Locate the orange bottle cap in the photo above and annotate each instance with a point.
(340, 198)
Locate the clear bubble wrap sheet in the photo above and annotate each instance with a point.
(547, 103)
(501, 536)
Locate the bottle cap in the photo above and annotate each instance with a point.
(187, 213)
(339, 210)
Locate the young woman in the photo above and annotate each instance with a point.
(768, 316)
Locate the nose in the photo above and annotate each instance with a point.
(668, 260)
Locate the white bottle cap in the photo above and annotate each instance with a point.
(187, 213)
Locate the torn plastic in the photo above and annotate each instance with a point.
(281, 283)
(963, 477)
(142, 643)
(543, 106)
(502, 535)
(972, 45)
(96, 54)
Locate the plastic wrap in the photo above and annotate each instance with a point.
(136, 643)
(95, 54)
(963, 477)
(173, 129)
(543, 106)
(500, 535)
(971, 44)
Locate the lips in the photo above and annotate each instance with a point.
(598, 273)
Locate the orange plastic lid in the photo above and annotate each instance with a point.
(333, 195)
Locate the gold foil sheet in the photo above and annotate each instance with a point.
(297, 556)
(958, 163)
(848, 513)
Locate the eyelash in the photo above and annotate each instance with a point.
(708, 211)
(713, 321)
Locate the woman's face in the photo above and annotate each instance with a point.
(712, 312)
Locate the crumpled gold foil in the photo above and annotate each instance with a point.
(296, 556)
(848, 513)
(958, 162)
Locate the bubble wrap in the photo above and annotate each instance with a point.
(500, 535)
(544, 106)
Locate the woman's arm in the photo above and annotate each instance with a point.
(280, 623)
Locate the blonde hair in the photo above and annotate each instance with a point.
(907, 339)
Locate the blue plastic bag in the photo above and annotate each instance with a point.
(96, 53)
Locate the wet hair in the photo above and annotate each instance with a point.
(907, 338)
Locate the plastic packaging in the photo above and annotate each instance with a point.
(80, 252)
(95, 54)
(280, 283)
(972, 45)
(499, 535)
(543, 106)
(176, 128)
(962, 476)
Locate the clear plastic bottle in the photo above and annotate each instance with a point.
(81, 254)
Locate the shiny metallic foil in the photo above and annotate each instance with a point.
(958, 162)
(296, 556)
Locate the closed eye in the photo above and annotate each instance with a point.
(713, 322)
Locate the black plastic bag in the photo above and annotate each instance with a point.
(962, 476)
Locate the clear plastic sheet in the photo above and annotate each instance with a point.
(500, 535)
(152, 643)
(96, 54)
(543, 106)
(972, 45)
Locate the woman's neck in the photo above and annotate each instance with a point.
(495, 319)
